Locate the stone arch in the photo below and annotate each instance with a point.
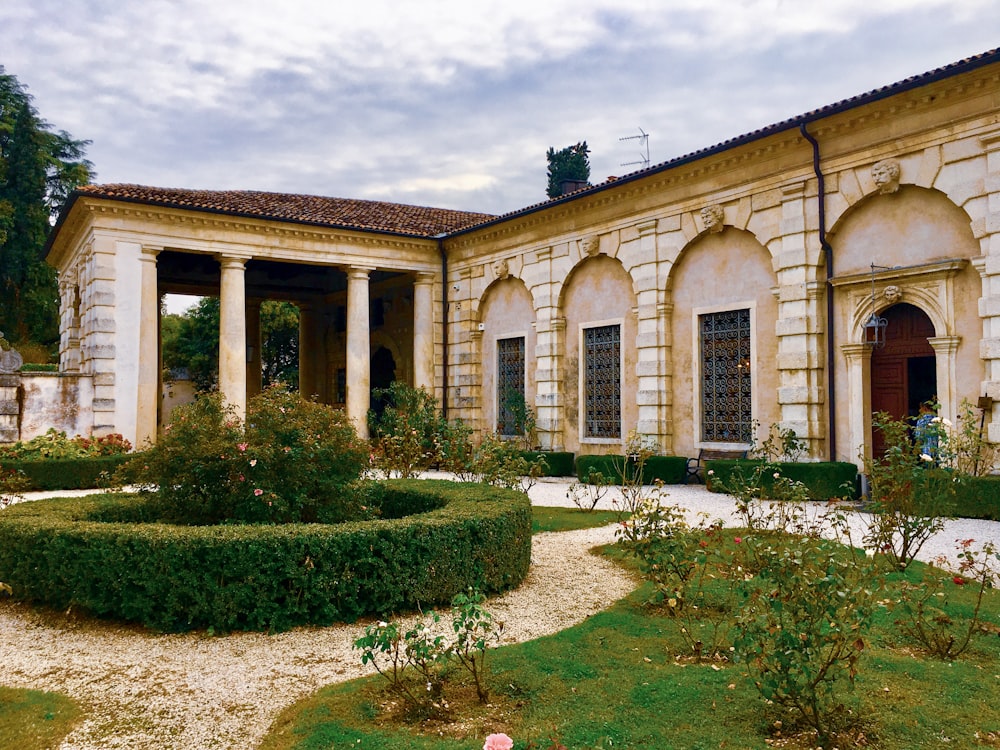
(599, 294)
(506, 313)
(921, 244)
(714, 274)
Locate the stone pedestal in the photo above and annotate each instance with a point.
(10, 407)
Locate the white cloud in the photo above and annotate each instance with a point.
(443, 102)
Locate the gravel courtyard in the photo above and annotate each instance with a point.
(139, 689)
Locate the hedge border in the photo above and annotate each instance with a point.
(66, 473)
(823, 479)
(257, 577)
(557, 463)
(667, 469)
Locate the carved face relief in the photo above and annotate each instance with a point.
(885, 173)
(592, 246)
(501, 269)
(892, 294)
(713, 217)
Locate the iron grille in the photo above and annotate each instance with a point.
(602, 381)
(510, 386)
(726, 384)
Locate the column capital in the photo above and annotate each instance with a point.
(944, 344)
(423, 277)
(232, 261)
(359, 272)
(149, 252)
(856, 352)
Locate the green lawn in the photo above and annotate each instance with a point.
(32, 720)
(614, 682)
(568, 519)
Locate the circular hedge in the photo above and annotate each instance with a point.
(105, 555)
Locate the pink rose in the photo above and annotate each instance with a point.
(243, 447)
(258, 492)
(498, 742)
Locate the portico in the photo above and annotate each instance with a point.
(348, 285)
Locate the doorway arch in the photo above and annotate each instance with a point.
(904, 371)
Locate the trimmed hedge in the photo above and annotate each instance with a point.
(668, 469)
(978, 497)
(103, 554)
(557, 463)
(824, 479)
(67, 473)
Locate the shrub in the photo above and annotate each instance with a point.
(101, 554)
(666, 469)
(67, 473)
(910, 497)
(556, 463)
(978, 497)
(823, 480)
(405, 436)
(289, 463)
(55, 444)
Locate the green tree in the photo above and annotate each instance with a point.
(39, 168)
(191, 342)
(570, 163)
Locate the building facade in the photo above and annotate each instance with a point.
(695, 302)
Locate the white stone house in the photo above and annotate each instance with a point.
(689, 301)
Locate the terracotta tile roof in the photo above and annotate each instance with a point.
(969, 63)
(347, 213)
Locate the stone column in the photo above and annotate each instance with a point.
(148, 391)
(859, 401)
(423, 332)
(945, 349)
(359, 358)
(233, 333)
(307, 326)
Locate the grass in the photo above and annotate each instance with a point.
(545, 518)
(33, 720)
(615, 681)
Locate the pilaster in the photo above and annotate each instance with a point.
(799, 327)
(989, 270)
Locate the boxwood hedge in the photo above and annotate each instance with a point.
(668, 469)
(67, 473)
(823, 479)
(557, 463)
(105, 555)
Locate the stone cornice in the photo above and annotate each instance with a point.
(177, 219)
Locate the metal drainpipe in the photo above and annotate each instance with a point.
(444, 324)
(831, 394)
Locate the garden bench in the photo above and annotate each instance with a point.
(695, 466)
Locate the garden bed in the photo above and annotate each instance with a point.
(106, 555)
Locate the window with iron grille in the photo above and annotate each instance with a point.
(725, 377)
(510, 386)
(602, 381)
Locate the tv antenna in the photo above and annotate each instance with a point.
(643, 137)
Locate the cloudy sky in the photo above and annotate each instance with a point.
(444, 103)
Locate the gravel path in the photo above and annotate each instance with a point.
(142, 690)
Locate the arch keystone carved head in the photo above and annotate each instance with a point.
(885, 173)
(502, 269)
(713, 217)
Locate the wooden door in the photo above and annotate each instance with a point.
(902, 372)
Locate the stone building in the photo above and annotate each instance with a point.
(692, 301)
